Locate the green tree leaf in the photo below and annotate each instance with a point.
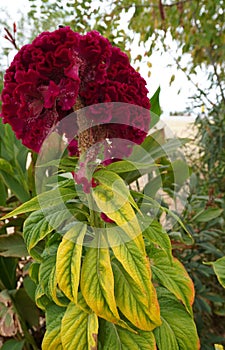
(157, 235)
(52, 337)
(178, 331)
(206, 215)
(68, 262)
(173, 276)
(219, 268)
(117, 338)
(79, 329)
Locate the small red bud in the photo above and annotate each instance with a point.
(14, 27)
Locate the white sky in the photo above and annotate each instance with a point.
(170, 100)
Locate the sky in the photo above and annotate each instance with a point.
(171, 101)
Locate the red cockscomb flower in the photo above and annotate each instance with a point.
(46, 78)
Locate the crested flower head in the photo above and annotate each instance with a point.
(48, 77)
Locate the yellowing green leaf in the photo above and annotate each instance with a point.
(42, 222)
(79, 329)
(133, 259)
(69, 261)
(142, 312)
(117, 209)
(41, 299)
(45, 273)
(117, 338)
(47, 276)
(115, 183)
(172, 276)
(52, 337)
(97, 282)
(44, 200)
(178, 331)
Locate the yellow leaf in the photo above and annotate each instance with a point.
(97, 281)
(69, 261)
(79, 329)
(144, 314)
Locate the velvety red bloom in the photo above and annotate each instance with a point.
(46, 77)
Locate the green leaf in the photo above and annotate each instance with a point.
(45, 271)
(180, 172)
(79, 329)
(25, 307)
(6, 166)
(178, 330)
(157, 147)
(152, 187)
(30, 287)
(125, 166)
(172, 276)
(8, 267)
(117, 338)
(41, 299)
(15, 186)
(157, 235)
(34, 272)
(97, 282)
(219, 268)
(154, 204)
(12, 246)
(13, 345)
(206, 215)
(43, 201)
(155, 108)
(3, 193)
(68, 262)
(52, 337)
(153, 143)
(47, 276)
(42, 222)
